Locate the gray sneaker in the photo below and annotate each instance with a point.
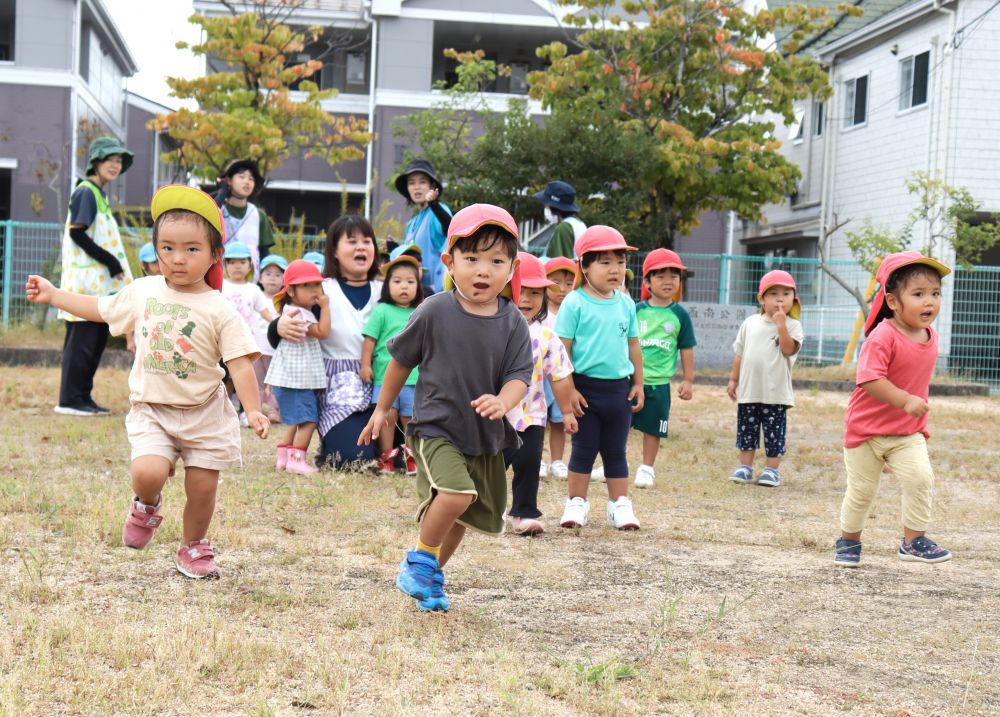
(743, 474)
(769, 478)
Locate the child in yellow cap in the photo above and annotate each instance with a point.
(179, 408)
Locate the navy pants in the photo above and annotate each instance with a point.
(340, 448)
(525, 461)
(752, 418)
(604, 426)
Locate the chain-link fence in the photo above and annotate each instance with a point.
(969, 324)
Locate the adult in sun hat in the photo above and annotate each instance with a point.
(559, 199)
(179, 408)
(240, 183)
(760, 381)
(94, 264)
(428, 229)
(886, 420)
(474, 353)
(550, 363)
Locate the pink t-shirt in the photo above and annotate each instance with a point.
(909, 365)
(549, 359)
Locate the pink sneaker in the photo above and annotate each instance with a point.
(197, 560)
(282, 461)
(140, 524)
(526, 526)
(298, 463)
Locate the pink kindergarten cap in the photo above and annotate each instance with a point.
(880, 308)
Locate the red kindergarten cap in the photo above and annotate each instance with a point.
(532, 271)
(598, 238)
(474, 217)
(892, 263)
(780, 278)
(661, 259)
(560, 263)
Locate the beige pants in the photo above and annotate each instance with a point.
(907, 458)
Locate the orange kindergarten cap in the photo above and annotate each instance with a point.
(661, 259)
(892, 263)
(560, 263)
(474, 217)
(181, 196)
(780, 278)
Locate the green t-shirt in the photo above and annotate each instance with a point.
(663, 332)
(386, 321)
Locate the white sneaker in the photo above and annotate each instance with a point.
(543, 470)
(645, 477)
(621, 515)
(575, 514)
(597, 474)
(559, 470)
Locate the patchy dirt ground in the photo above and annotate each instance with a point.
(725, 603)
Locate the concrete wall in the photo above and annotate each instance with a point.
(137, 184)
(36, 125)
(405, 56)
(44, 34)
(505, 7)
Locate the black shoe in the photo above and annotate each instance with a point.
(97, 409)
(76, 410)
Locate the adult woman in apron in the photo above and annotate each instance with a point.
(93, 263)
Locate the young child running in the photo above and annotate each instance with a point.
(551, 363)
(474, 353)
(401, 294)
(271, 281)
(561, 271)
(296, 371)
(179, 407)
(598, 327)
(761, 377)
(887, 413)
(665, 331)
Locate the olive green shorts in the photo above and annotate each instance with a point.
(442, 468)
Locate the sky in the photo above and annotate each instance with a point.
(151, 30)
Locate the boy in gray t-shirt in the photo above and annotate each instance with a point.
(474, 353)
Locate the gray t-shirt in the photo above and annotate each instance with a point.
(461, 357)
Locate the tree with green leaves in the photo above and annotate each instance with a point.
(247, 110)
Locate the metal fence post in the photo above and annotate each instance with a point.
(8, 251)
(723, 278)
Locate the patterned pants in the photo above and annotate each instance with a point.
(751, 418)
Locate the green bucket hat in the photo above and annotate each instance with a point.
(102, 148)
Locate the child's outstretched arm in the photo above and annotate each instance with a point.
(41, 291)
(321, 329)
(638, 393)
(496, 407)
(392, 383)
(687, 366)
(884, 390)
(367, 351)
(734, 378)
(245, 382)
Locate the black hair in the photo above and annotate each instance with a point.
(543, 313)
(562, 213)
(898, 279)
(173, 215)
(485, 238)
(591, 256)
(348, 225)
(654, 272)
(386, 298)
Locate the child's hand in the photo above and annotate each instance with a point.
(258, 422)
(366, 374)
(39, 290)
(915, 406)
(686, 390)
(638, 395)
(489, 406)
(731, 388)
(778, 318)
(323, 301)
(374, 426)
(570, 424)
(130, 342)
(578, 402)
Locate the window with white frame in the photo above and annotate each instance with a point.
(7, 13)
(818, 118)
(856, 101)
(796, 130)
(913, 76)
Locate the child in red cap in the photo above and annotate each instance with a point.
(598, 326)
(297, 372)
(761, 378)
(184, 327)
(886, 422)
(665, 331)
(474, 353)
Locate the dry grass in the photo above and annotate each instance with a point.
(726, 603)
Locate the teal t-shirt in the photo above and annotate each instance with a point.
(600, 329)
(386, 321)
(663, 332)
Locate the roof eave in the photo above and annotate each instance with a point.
(883, 25)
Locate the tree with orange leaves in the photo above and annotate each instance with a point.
(247, 110)
(704, 80)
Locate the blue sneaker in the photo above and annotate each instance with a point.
(438, 601)
(743, 474)
(848, 553)
(922, 550)
(416, 574)
(769, 478)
